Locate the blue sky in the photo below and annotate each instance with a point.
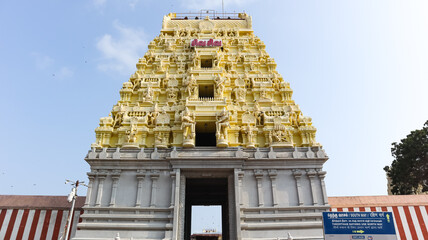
(358, 68)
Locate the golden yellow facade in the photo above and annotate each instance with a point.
(206, 76)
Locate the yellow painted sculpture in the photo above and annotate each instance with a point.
(205, 72)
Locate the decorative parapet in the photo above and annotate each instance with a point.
(267, 154)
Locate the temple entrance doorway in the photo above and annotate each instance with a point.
(207, 192)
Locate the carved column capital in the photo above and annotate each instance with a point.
(258, 173)
(297, 173)
(273, 173)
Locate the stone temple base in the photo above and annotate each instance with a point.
(148, 194)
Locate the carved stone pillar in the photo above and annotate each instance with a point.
(240, 174)
(236, 137)
(297, 175)
(120, 136)
(101, 178)
(267, 142)
(175, 141)
(106, 138)
(178, 207)
(140, 178)
(182, 202)
(173, 175)
(272, 175)
(312, 175)
(259, 177)
(115, 177)
(91, 177)
(154, 177)
(143, 139)
(238, 178)
(321, 175)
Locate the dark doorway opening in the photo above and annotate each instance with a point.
(206, 63)
(205, 134)
(206, 191)
(206, 91)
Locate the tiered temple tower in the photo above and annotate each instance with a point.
(205, 120)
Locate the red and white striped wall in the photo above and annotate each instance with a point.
(44, 217)
(36, 217)
(410, 212)
(35, 223)
(410, 221)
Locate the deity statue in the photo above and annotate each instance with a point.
(152, 115)
(263, 95)
(188, 126)
(191, 87)
(147, 95)
(252, 66)
(132, 138)
(259, 114)
(248, 130)
(219, 86)
(171, 93)
(161, 139)
(294, 118)
(137, 85)
(177, 116)
(118, 118)
(240, 94)
(169, 46)
(222, 124)
(248, 81)
(196, 60)
(276, 82)
(218, 58)
(280, 136)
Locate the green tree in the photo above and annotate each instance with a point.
(409, 170)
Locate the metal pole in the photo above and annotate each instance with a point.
(70, 218)
(72, 198)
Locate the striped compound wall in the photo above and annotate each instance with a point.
(44, 217)
(36, 217)
(410, 212)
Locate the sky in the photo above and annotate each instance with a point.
(359, 68)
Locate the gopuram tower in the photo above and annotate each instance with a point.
(205, 120)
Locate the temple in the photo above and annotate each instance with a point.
(206, 119)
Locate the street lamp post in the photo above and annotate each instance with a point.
(72, 198)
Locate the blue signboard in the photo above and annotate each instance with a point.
(358, 225)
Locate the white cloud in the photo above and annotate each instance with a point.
(133, 3)
(42, 62)
(47, 65)
(99, 3)
(64, 72)
(121, 53)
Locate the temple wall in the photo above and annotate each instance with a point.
(27, 215)
(133, 193)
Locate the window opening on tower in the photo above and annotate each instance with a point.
(206, 91)
(206, 63)
(205, 134)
